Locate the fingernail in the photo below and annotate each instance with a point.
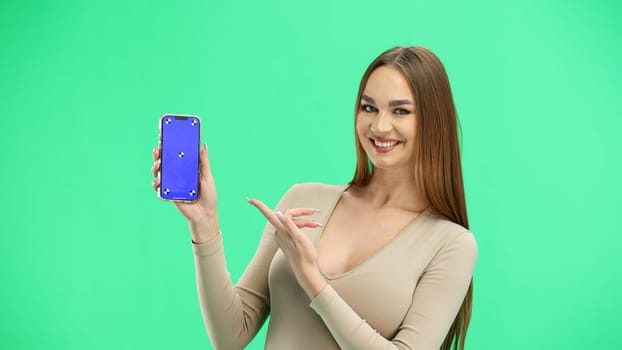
(316, 210)
(248, 199)
(281, 216)
(205, 145)
(319, 225)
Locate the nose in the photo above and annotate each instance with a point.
(381, 124)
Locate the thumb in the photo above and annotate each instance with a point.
(206, 171)
(290, 225)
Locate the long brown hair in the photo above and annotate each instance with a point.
(438, 171)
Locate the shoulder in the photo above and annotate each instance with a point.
(310, 190)
(311, 193)
(317, 187)
(451, 238)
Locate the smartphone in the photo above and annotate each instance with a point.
(180, 147)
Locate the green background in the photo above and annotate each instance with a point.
(91, 259)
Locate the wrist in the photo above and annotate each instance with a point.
(204, 229)
(314, 282)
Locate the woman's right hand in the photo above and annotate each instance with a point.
(202, 211)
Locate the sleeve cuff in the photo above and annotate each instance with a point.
(211, 247)
(323, 300)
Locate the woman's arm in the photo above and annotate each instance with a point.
(436, 301)
(233, 314)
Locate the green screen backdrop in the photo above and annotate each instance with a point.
(91, 259)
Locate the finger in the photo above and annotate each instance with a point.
(284, 241)
(307, 223)
(301, 211)
(287, 221)
(204, 161)
(268, 213)
(289, 225)
(155, 168)
(155, 183)
(156, 153)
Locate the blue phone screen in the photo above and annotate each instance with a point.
(180, 146)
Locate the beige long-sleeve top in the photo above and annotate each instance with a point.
(403, 297)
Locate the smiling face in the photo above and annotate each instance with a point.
(385, 122)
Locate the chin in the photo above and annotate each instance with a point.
(388, 165)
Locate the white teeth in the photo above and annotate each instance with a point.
(385, 144)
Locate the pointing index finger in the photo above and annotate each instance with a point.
(267, 212)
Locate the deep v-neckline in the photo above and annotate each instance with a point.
(374, 255)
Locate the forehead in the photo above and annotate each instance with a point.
(386, 84)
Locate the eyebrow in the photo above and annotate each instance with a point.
(391, 103)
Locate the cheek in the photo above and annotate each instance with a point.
(361, 125)
(407, 129)
(358, 127)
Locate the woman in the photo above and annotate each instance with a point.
(390, 268)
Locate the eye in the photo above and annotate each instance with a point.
(401, 111)
(368, 108)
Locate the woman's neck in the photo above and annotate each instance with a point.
(394, 188)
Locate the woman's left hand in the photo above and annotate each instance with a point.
(296, 245)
